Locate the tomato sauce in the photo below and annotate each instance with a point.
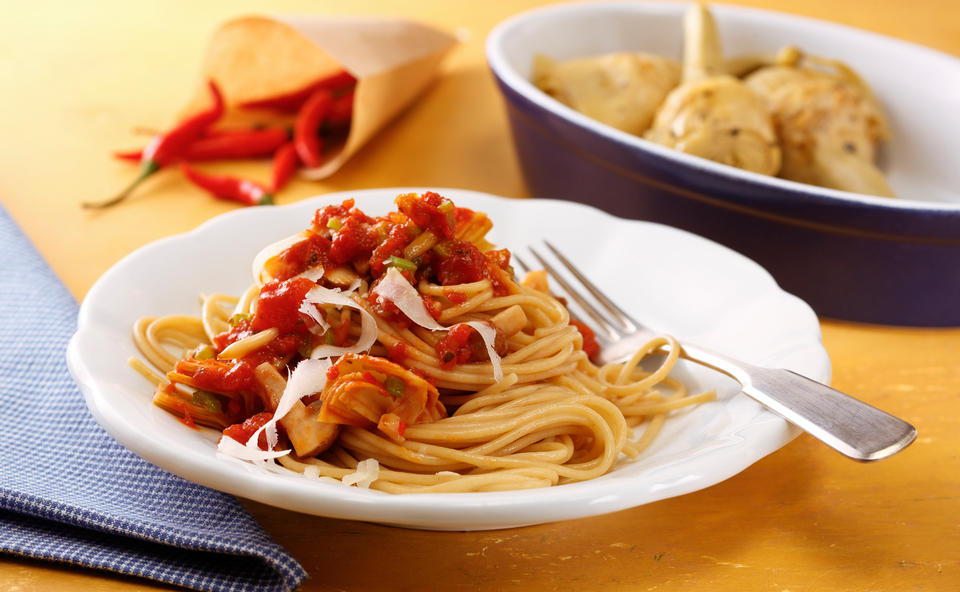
(399, 237)
(354, 235)
(238, 330)
(185, 417)
(430, 212)
(279, 306)
(343, 235)
(433, 306)
(398, 353)
(332, 373)
(241, 432)
(322, 217)
(590, 345)
(498, 267)
(278, 351)
(460, 345)
(356, 239)
(461, 262)
(455, 297)
(299, 257)
(387, 309)
(220, 376)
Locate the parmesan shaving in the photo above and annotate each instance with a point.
(314, 274)
(307, 378)
(367, 472)
(260, 275)
(368, 325)
(312, 472)
(354, 285)
(395, 288)
(310, 309)
(489, 335)
(230, 447)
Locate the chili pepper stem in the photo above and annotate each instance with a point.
(148, 168)
(166, 148)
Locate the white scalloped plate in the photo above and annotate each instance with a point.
(676, 281)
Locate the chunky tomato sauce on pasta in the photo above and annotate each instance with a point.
(406, 341)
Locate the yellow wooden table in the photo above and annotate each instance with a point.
(77, 78)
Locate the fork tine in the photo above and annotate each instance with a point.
(608, 327)
(526, 268)
(523, 264)
(617, 312)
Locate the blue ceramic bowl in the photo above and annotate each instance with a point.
(850, 256)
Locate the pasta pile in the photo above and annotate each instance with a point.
(400, 353)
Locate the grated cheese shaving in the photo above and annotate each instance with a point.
(367, 472)
(310, 375)
(314, 274)
(368, 325)
(260, 275)
(489, 335)
(395, 288)
(307, 378)
(262, 458)
(310, 309)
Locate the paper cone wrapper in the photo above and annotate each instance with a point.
(255, 58)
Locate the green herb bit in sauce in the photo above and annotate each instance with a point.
(208, 401)
(238, 318)
(395, 386)
(204, 352)
(402, 264)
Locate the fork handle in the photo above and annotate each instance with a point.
(848, 425)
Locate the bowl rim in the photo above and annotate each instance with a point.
(511, 78)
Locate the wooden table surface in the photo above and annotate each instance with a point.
(77, 78)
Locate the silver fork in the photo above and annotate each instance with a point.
(848, 425)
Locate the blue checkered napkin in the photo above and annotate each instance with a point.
(69, 492)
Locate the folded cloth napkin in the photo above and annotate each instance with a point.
(69, 492)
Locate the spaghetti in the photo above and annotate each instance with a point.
(399, 353)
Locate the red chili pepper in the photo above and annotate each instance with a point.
(238, 144)
(341, 112)
(134, 155)
(229, 188)
(306, 138)
(293, 101)
(165, 148)
(226, 145)
(285, 162)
